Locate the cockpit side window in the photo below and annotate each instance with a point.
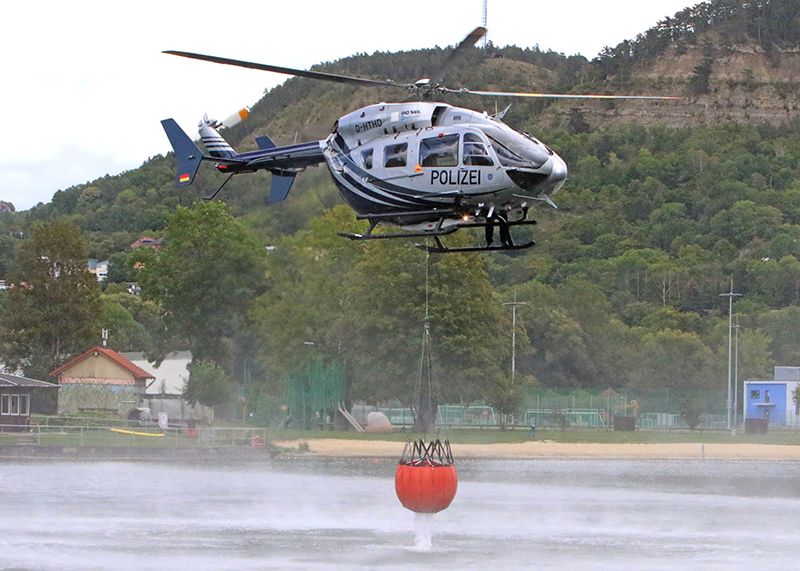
(366, 157)
(515, 149)
(395, 155)
(475, 152)
(439, 151)
(507, 158)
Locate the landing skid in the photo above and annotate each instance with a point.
(371, 236)
(441, 230)
(440, 248)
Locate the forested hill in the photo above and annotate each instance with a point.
(666, 202)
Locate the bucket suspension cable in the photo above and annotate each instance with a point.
(426, 393)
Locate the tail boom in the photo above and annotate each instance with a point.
(283, 162)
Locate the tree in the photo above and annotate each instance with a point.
(304, 298)
(208, 384)
(205, 276)
(700, 82)
(125, 334)
(783, 329)
(385, 309)
(676, 359)
(147, 332)
(53, 308)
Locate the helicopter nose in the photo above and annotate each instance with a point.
(558, 173)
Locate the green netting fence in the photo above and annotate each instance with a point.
(313, 393)
(548, 408)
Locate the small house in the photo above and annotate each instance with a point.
(99, 268)
(775, 401)
(100, 379)
(20, 397)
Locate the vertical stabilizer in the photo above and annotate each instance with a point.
(187, 154)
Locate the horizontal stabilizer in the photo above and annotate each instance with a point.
(187, 153)
(281, 185)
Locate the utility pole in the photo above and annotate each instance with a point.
(513, 305)
(736, 376)
(730, 295)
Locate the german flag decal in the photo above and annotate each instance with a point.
(185, 177)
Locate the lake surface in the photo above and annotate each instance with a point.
(343, 514)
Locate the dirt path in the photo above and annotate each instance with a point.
(549, 449)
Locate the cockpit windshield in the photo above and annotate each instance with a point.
(514, 149)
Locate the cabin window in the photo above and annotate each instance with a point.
(439, 151)
(15, 405)
(395, 155)
(366, 157)
(475, 152)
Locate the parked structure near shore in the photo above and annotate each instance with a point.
(20, 397)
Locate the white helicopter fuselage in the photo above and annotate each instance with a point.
(423, 157)
(427, 167)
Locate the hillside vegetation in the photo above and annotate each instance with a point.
(666, 203)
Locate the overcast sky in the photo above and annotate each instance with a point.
(85, 85)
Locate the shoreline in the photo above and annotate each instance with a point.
(344, 448)
(538, 449)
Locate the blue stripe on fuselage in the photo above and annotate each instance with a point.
(289, 149)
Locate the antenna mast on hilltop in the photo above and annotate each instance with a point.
(485, 14)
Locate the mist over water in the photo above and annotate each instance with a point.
(343, 514)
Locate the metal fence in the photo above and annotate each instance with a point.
(116, 435)
(651, 409)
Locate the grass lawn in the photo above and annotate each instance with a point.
(230, 436)
(100, 437)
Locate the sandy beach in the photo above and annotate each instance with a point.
(550, 449)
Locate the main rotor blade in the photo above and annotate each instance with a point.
(454, 56)
(289, 71)
(559, 95)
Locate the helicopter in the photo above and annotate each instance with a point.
(427, 167)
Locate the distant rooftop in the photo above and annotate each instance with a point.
(7, 380)
(147, 242)
(134, 370)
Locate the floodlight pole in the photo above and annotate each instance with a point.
(513, 305)
(730, 295)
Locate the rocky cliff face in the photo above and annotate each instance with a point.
(719, 83)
